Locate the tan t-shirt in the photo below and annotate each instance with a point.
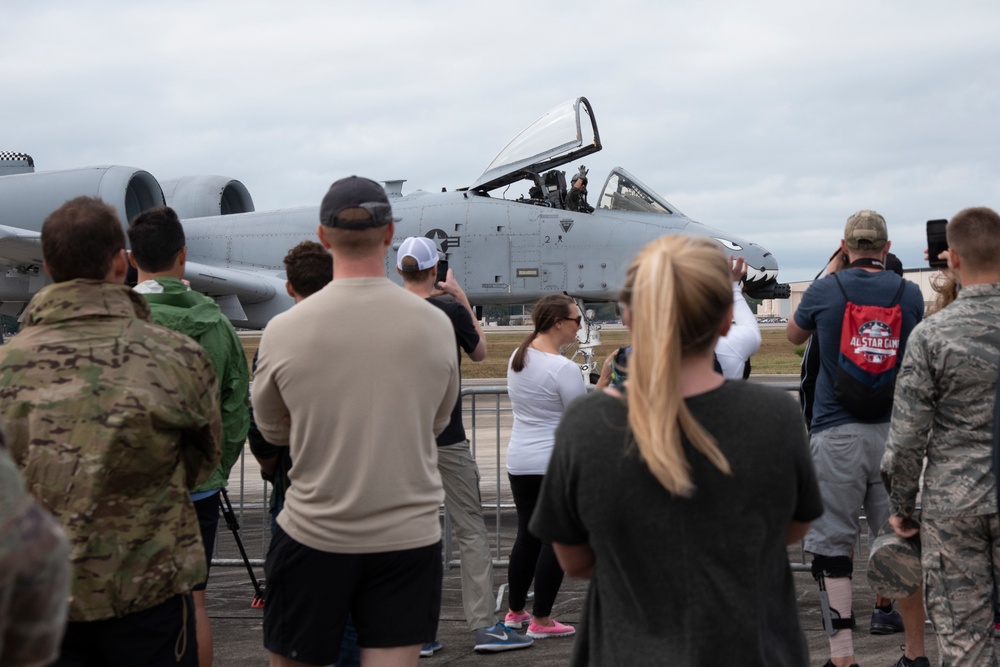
(357, 380)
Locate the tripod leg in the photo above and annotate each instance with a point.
(234, 525)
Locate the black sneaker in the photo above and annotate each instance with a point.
(916, 662)
(829, 663)
(886, 623)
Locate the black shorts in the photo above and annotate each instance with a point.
(208, 510)
(147, 638)
(393, 597)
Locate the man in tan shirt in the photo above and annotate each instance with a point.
(358, 380)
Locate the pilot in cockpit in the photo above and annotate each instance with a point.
(576, 198)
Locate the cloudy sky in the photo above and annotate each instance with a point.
(774, 119)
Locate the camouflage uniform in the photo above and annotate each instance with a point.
(943, 411)
(34, 574)
(111, 419)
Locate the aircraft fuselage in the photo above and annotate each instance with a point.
(501, 252)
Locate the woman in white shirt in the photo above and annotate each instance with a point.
(541, 383)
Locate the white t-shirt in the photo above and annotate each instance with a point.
(538, 396)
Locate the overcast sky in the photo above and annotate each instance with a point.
(773, 119)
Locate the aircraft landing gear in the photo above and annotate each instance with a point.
(589, 338)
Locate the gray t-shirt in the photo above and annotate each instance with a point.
(678, 567)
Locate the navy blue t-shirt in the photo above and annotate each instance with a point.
(822, 310)
(466, 338)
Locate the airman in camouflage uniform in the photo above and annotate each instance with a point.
(111, 419)
(943, 411)
(34, 574)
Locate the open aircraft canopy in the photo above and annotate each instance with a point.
(563, 135)
(567, 132)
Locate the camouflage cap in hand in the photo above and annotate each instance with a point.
(894, 565)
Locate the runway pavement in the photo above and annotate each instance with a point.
(238, 628)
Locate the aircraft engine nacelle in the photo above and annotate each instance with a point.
(27, 199)
(203, 196)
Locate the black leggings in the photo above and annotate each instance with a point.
(529, 558)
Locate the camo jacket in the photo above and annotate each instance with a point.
(943, 410)
(111, 419)
(34, 574)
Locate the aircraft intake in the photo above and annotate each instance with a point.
(203, 196)
(29, 198)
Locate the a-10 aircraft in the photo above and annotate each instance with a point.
(502, 250)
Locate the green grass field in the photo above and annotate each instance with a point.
(776, 354)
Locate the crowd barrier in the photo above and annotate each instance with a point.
(487, 425)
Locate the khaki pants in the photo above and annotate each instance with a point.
(460, 477)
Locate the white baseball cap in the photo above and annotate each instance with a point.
(421, 249)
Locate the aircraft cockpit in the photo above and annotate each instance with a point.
(564, 134)
(624, 192)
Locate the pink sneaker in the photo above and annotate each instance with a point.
(557, 629)
(516, 621)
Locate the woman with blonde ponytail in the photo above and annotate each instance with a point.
(541, 382)
(678, 497)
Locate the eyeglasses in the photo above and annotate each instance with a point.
(577, 319)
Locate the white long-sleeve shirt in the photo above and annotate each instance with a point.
(743, 340)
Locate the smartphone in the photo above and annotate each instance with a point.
(442, 274)
(937, 243)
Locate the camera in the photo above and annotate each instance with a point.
(937, 242)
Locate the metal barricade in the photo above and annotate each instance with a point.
(487, 412)
(500, 502)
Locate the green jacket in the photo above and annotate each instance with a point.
(179, 308)
(112, 419)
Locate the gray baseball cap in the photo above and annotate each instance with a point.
(356, 192)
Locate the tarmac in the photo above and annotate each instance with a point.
(238, 628)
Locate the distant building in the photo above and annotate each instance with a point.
(922, 277)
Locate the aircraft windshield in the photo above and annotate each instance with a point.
(624, 192)
(567, 131)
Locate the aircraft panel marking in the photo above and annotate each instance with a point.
(444, 242)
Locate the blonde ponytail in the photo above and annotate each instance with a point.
(678, 290)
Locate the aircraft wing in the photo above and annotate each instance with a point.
(20, 246)
(231, 288)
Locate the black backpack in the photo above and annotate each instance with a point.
(865, 376)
